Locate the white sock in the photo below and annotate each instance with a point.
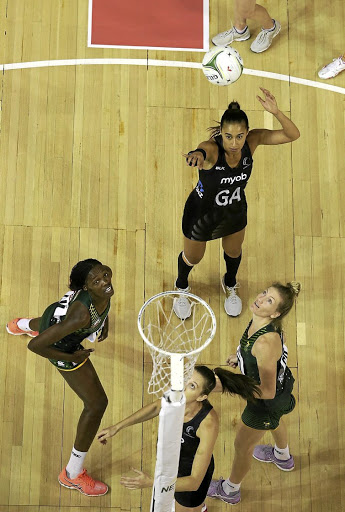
(23, 324)
(229, 487)
(271, 29)
(281, 453)
(241, 31)
(75, 463)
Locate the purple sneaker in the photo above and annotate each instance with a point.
(216, 491)
(265, 453)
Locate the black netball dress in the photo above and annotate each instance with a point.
(189, 446)
(217, 206)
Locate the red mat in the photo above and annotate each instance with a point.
(174, 24)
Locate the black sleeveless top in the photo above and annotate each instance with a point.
(217, 206)
(189, 445)
(190, 441)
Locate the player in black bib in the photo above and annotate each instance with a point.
(81, 313)
(199, 434)
(217, 207)
(262, 355)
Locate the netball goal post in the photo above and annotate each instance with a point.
(174, 345)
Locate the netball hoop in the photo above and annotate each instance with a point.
(174, 346)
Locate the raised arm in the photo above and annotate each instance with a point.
(288, 133)
(145, 413)
(267, 350)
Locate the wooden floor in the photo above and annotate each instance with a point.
(91, 166)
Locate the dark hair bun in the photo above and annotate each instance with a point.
(234, 106)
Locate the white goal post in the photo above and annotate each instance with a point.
(174, 344)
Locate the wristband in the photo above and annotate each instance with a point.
(202, 151)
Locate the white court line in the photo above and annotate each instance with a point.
(164, 63)
(206, 24)
(89, 23)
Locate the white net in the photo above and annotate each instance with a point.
(165, 333)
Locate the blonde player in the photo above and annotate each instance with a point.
(262, 355)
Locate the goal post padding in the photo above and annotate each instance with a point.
(168, 453)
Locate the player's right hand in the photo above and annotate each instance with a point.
(232, 361)
(80, 355)
(104, 434)
(195, 159)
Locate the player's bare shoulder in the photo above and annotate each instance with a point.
(267, 346)
(254, 139)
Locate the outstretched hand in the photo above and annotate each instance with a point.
(269, 102)
(104, 434)
(195, 159)
(137, 482)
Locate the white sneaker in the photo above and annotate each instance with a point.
(227, 37)
(204, 508)
(333, 69)
(264, 38)
(182, 307)
(232, 303)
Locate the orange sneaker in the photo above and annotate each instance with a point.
(12, 328)
(83, 483)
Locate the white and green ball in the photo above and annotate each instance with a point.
(222, 65)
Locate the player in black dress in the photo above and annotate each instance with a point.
(200, 430)
(262, 355)
(217, 207)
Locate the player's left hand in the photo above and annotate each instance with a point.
(137, 482)
(269, 103)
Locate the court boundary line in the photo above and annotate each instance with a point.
(205, 47)
(165, 63)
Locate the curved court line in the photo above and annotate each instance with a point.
(165, 63)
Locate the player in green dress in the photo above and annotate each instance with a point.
(57, 335)
(262, 355)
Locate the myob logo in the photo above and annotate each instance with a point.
(231, 180)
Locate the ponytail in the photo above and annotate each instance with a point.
(237, 384)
